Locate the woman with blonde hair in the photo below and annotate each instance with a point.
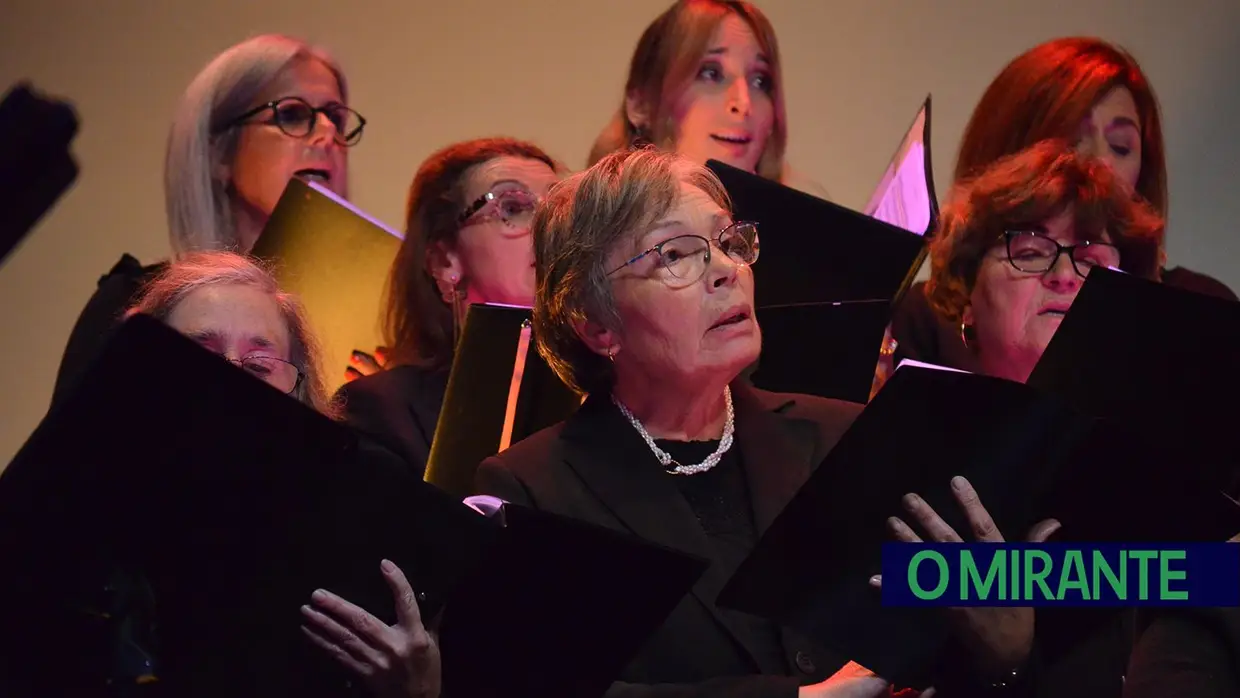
(705, 81)
(265, 110)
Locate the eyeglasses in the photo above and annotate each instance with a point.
(298, 118)
(686, 257)
(514, 207)
(277, 373)
(1035, 253)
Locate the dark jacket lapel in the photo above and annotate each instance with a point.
(615, 463)
(776, 450)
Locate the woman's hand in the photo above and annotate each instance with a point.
(1001, 637)
(855, 681)
(366, 364)
(399, 661)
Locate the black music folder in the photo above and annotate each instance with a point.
(499, 391)
(36, 166)
(235, 502)
(564, 608)
(1157, 357)
(1028, 455)
(337, 259)
(817, 251)
(824, 349)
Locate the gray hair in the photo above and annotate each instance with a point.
(576, 228)
(197, 270)
(197, 196)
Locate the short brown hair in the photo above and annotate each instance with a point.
(197, 270)
(1047, 92)
(418, 324)
(583, 219)
(666, 59)
(1026, 189)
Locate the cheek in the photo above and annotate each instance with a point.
(498, 262)
(260, 169)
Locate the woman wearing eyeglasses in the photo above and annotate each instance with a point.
(265, 110)
(1014, 248)
(645, 304)
(233, 307)
(467, 240)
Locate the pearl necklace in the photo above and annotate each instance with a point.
(673, 466)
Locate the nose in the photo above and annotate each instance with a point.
(738, 97)
(1062, 276)
(723, 270)
(324, 133)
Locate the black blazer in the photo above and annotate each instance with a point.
(398, 409)
(590, 467)
(1189, 653)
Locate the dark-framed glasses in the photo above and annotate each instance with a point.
(514, 207)
(686, 258)
(298, 118)
(278, 373)
(1036, 253)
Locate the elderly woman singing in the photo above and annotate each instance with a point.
(644, 303)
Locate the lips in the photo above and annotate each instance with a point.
(732, 316)
(733, 138)
(1054, 310)
(315, 174)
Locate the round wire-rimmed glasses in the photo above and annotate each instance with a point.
(278, 373)
(687, 257)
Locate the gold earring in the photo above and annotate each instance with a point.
(965, 332)
(611, 354)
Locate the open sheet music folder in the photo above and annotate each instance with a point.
(236, 502)
(1028, 456)
(336, 259)
(905, 194)
(824, 349)
(1160, 358)
(499, 391)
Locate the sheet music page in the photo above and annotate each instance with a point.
(922, 364)
(906, 201)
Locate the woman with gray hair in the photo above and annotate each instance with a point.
(234, 307)
(644, 303)
(265, 110)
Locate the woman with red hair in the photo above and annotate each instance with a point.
(1082, 89)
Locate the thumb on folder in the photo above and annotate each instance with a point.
(851, 681)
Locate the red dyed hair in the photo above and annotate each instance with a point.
(1047, 92)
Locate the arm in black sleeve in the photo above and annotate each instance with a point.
(1189, 653)
(98, 320)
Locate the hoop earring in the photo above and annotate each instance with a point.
(966, 334)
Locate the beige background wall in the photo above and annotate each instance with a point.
(426, 73)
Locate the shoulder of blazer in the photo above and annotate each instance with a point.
(395, 385)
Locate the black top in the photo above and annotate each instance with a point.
(596, 468)
(922, 335)
(720, 499)
(117, 290)
(398, 408)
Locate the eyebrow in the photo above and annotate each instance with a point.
(721, 50)
(1122, 121)
(498, 182)
(210, 336)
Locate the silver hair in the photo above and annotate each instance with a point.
(197, 195)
